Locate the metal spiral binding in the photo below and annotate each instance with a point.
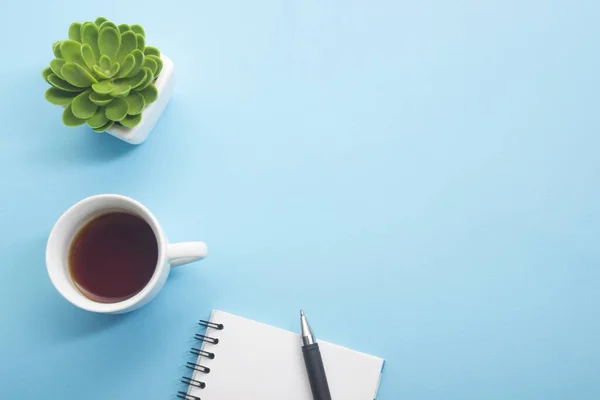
(204, 338)
(208, 324)
(199, 352)
(193, 382)
(185, 396)
(197, 367)
(203, 353)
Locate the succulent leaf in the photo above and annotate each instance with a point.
(59, 97)
(135, 103)
(76, 75)
(108, 24)
(89, 36)
(69, 119)
(98, 119)
(46, 73)
(103, 73)
(71, 52)
(139, 61)
(75, 32)
(109, 40)
(151, 65)
(159, 63)
(103, 87)
(151, 51)
(147, 81)
(82, 107)
(104, 62)
(88, 56)
(128, 44)
(130, 121)
(100, 99)
(124, 28)
(105, 127)
(120, 90)
(116, 110)
(141, 42)
(56, 65)
(56, 49)
(134, 81)
(138, 29)
(61, 84)
(106, 73)
(150, 94)
(127, 66)
(100, 20)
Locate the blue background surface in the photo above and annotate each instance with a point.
(420, 176)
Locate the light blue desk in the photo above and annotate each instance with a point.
(435, 163)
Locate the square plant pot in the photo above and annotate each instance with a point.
(150, 115)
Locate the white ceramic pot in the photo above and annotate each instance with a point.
(150, 115)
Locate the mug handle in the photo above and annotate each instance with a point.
(185, 253)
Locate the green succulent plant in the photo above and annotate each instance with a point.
(103, 74)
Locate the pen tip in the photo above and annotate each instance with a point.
(302, 313)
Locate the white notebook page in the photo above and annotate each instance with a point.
(254, 361)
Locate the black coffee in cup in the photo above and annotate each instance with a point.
(113, 257)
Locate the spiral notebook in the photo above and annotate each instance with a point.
(243, 359)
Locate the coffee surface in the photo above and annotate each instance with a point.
(113, 257)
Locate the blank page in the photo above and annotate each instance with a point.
(254, 361)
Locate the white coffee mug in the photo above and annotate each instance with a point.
(67, 226)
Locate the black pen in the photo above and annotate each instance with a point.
(314, 362)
